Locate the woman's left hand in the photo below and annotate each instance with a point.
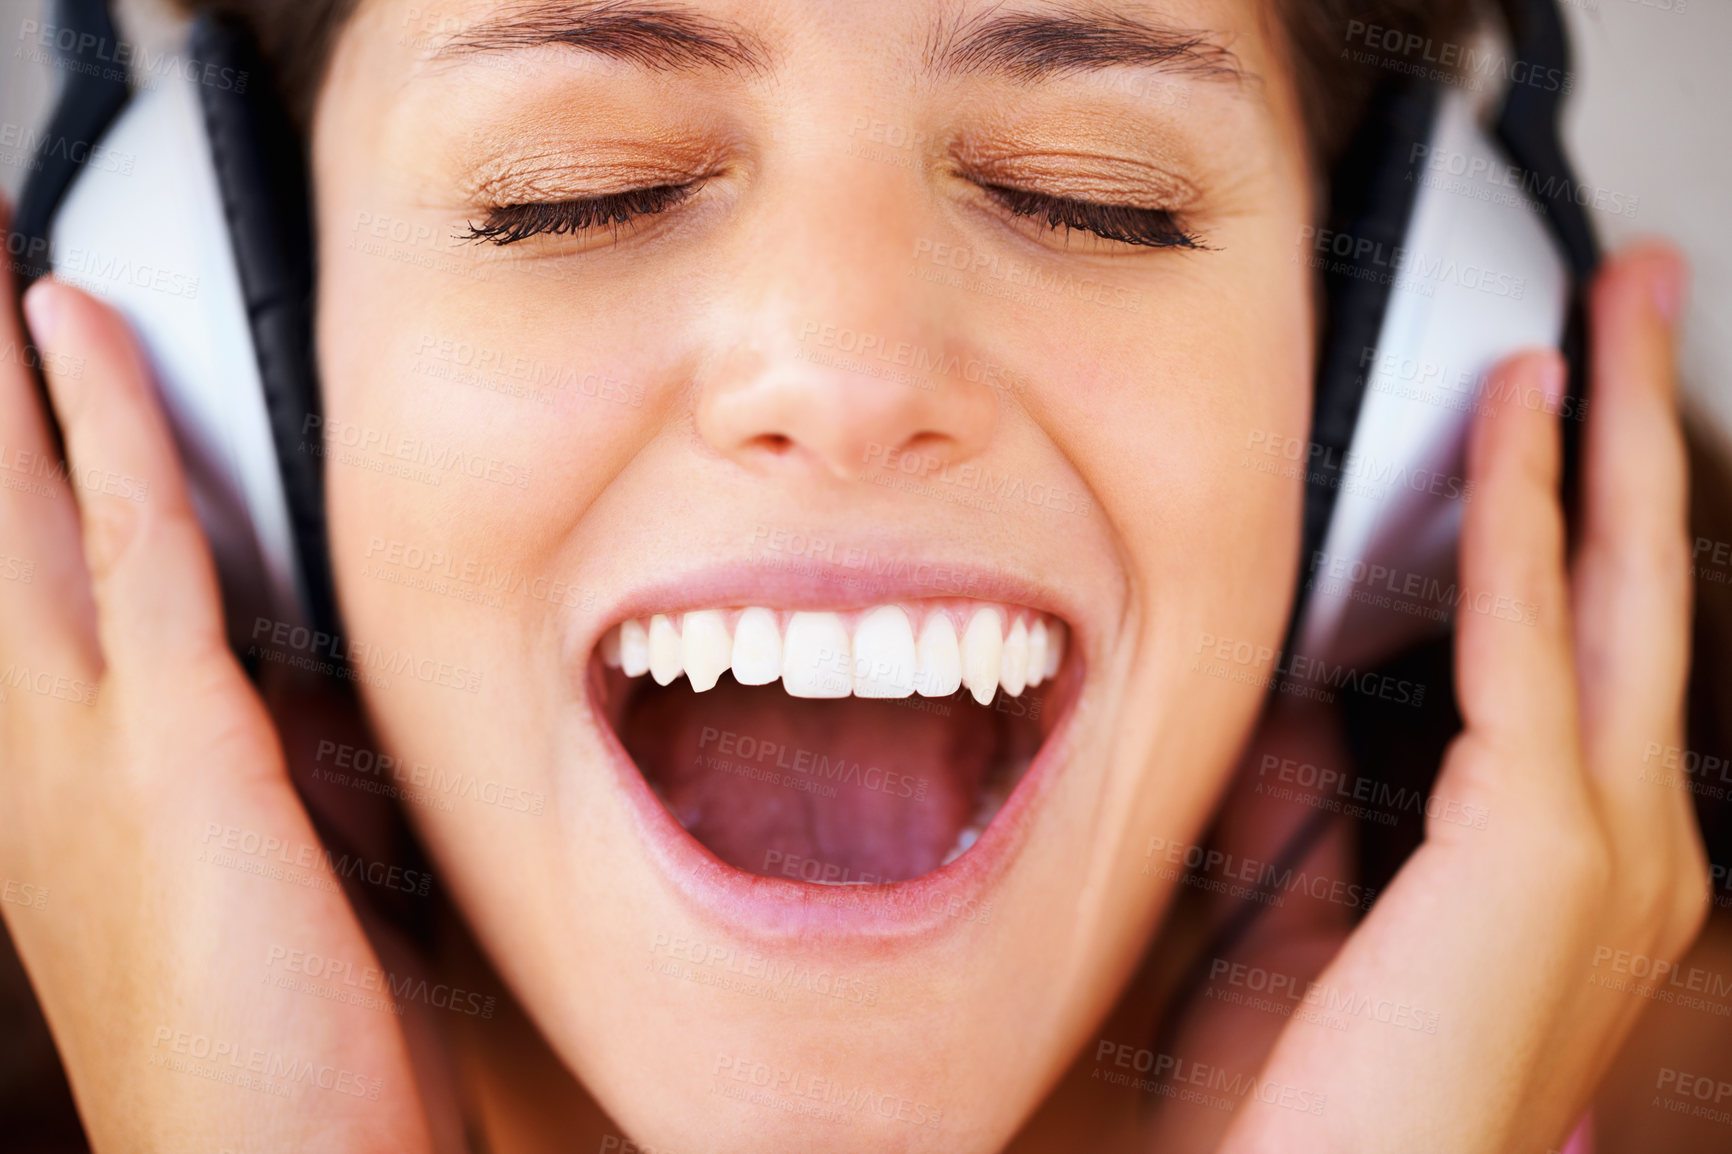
(1509, 943)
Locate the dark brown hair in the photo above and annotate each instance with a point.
(1333, 88)
(296, 38)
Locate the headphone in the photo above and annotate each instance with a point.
(186, 208)
(1447, 246)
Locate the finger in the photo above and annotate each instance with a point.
(150, 568)
(45, 610)
(1632, 570)
(1514, 677)
(1632, 591)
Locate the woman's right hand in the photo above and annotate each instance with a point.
(172, 871)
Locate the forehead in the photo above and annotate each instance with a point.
(1208, 75)
(1219, 43)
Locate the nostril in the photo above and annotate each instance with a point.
(929, 444)
(777, 444)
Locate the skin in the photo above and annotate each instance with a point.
(700, 311)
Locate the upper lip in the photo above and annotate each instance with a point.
(778, 588)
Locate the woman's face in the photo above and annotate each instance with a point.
(941, 323)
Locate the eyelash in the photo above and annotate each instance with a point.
(1145, 227)
(511, 223)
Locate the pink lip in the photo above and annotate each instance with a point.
(797, 914)
(846, 589)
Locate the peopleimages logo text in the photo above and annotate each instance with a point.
(359, 655)
(92, 50)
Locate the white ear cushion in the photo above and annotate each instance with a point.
(1478, 279)
(151, 239)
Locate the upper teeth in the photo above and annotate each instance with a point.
(872, 653)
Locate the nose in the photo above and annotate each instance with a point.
(832, 355)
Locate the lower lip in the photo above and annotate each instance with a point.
(790, 913)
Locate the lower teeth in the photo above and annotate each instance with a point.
(964, 842)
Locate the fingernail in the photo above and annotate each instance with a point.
(42, 310)
(1553, 376)
(1666, 284)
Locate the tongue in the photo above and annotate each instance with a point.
(846, 790)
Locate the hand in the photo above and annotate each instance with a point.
(1493, 939)
(140, 779)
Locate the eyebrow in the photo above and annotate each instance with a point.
(662, 37)
(1034, 45)
(1026, 46)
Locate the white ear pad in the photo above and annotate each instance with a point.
(154, 243)
(1479, 278)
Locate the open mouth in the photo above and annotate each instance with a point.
(862, 747)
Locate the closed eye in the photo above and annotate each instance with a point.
(1126, 224)
(510, 223)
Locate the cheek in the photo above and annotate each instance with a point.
(1166, 422)
(471, 420)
